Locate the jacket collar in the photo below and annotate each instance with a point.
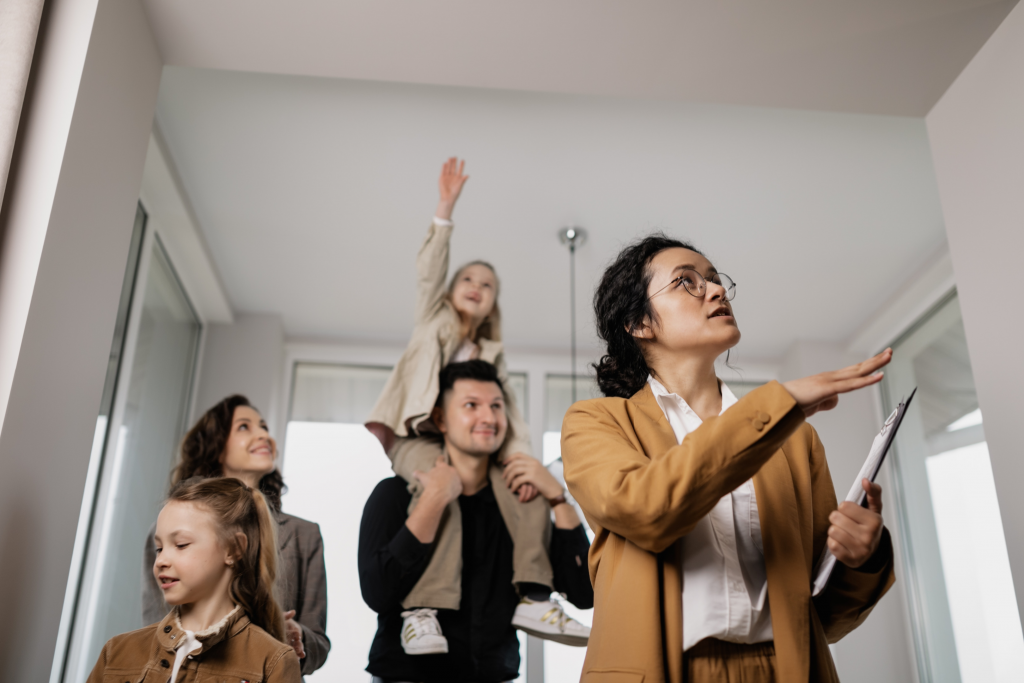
(170, 633)
(648, 405)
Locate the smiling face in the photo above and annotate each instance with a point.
(250, 451)
(192, 563)
(473, 417)
(683, 323)
(474, 292)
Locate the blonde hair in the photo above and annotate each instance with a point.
(490, 328)
(246, 526)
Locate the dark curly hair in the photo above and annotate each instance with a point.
(621, 303)
(204, 444)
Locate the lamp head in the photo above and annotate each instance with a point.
(573, 236)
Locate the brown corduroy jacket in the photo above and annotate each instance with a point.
(642, 492)
(236, 650)
(301, 585)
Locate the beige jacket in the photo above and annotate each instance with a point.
(642, 492)
(234, 650)
(411, 390)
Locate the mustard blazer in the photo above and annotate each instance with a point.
(642, 492)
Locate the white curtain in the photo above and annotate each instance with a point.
(19, 26)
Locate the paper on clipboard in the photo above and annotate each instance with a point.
(879, 448)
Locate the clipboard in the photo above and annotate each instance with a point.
(876, 456)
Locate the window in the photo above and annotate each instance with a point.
(964, 612)
(562, 662)
(143, 412)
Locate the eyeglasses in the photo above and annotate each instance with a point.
(696, 285)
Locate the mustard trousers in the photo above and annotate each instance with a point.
(716, 661)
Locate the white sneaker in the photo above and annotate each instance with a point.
(547, 620)
(421, 634)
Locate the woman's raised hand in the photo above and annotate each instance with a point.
(450, 184)
(821, 392)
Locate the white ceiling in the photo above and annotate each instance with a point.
(871, 56)
(314, 195)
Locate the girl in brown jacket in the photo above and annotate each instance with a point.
(216, 563)
(709, 512)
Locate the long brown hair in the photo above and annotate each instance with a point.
(245, 526)
(204, 445)
(490, 328)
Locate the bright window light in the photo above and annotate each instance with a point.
(562, 662)
(982, 602)
(552, 446)
(330, 470)
(969, 420)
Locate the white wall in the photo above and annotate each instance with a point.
(244, 357)
(977, 139)
(881, 650)
(68, 218)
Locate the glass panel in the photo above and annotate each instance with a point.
(558, 394)
(562, 662)
(99, 440)
(147, 424)
(336, 393)
(966, 625)
(517, 384)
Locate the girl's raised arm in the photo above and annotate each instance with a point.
(432, 261)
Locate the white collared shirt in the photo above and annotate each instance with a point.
(725, 587)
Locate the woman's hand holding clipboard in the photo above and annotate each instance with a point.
(857, 524)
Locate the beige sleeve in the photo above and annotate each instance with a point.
(653, 499)
(432, 271)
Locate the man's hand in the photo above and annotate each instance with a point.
(856, 532)
(450, 184)
(441, 484)
(821, 392)
(526, 476)
(293, 633)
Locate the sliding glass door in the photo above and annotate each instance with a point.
(964, 612)
(146, 403)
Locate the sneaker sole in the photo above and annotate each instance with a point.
(562, 638)
(434, 650)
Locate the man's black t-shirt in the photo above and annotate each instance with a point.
(482, 644)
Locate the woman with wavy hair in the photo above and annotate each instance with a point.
(231, 440)
(710, 512)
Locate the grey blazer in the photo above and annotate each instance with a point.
(301, 585)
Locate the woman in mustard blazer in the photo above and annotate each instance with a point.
(710, 512)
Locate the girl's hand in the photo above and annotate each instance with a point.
(293, 632)
(450, 184)
(521, 471)
(821, 392)
(856, 532)
(526, 493)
